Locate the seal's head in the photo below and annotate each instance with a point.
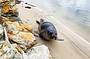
(51, 33)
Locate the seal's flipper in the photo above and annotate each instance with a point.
(41, 20)
(60, 39)
(37, 22)
(36, 33)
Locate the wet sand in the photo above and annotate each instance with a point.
(59, 49)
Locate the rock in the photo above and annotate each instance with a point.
(24, 40)
(39, 52)
(15, 26)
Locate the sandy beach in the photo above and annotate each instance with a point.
(59, 49)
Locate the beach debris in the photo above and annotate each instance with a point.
(18, 1)
(28, 7)
(30, 4)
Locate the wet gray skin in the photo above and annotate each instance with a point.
(47, 30)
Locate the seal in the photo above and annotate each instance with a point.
(47, 30)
